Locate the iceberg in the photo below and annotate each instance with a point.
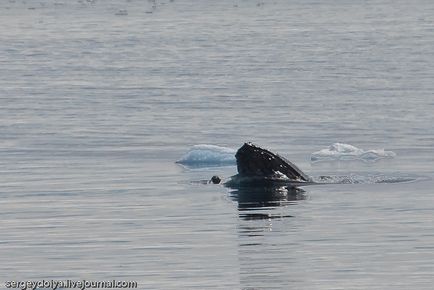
(210, 155)
(341, 151)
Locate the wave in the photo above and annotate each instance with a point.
(208, 155)
(341, 151)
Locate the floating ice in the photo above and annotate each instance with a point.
(208, 155)
(340, 151)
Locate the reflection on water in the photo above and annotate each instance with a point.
(258, 206)
(263, 198)
(259, 216)
(264, 217)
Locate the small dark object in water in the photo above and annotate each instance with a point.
(215, 179)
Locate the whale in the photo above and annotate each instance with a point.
(257, 166)
(254, 161)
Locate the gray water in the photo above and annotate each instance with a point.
(95, 107)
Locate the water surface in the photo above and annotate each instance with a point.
(95, 108)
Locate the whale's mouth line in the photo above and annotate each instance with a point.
(235, 181)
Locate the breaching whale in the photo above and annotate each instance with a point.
(260, 167)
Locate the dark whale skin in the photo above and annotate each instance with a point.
(256, 163)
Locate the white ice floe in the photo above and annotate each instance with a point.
(340, 151)
(209, 155)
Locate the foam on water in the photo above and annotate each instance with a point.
(209, 155)
(341, 151)
(369, 178)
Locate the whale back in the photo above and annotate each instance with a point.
(253, 161)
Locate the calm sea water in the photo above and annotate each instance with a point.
(99, 98)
